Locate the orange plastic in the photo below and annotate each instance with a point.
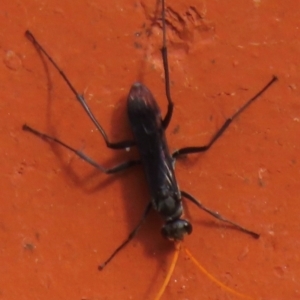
(59, 218)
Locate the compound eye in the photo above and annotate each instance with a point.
(188, 228)
(176, 230)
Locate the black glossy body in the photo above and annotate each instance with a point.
(146, 123)
(149, 133)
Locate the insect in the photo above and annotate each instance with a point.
(149, 127)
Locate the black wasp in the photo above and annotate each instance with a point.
(149, 128)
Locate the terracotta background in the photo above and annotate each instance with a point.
(60, 218)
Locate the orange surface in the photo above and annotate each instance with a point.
(60, 218)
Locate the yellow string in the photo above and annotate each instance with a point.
(219, 283)
(170, 272)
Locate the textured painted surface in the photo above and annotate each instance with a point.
(59, 218)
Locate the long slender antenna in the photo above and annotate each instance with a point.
(212, 278)
(170, 272)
